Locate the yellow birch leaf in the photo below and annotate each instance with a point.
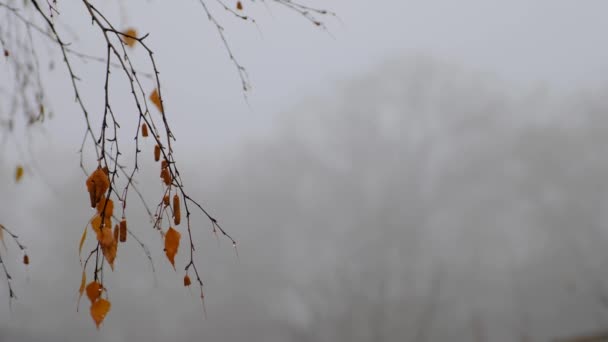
(155, 98)
(82, 239)
(97, 184)
(97, 226)
(130, 41)
(109, 253)
(105, 207)
(109, 245)
(93, 291)
(99, 310)
(18, 173)
(172, 244)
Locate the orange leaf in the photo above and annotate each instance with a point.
(97, 184)
(18, 173)
(109, 245)
(110, 254)
(187, 281)
(105, 207)
(130, 41)
(97, 226)
(172, 244)
(99, 310)
(93, 291)
(155, 98)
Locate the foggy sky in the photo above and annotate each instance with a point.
(435, 172)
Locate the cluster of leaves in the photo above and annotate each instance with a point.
(113, 179)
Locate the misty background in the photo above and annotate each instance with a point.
(425, 172)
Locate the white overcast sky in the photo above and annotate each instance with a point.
(558, 43)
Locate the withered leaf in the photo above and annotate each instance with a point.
(123, 231)
(97, 184)
(172, 238)
(156, 153)
(18, 173)
(97, 226)
(82, 239)
(176, 210)
(93, 291)
(99, 310)
(144, 130)
(166, 176)
(109, 245)
(129, 37)
(105, 207)
(155, 98)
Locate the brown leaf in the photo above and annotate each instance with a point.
(130, 41)
(97, 226)
(105, 207)
(97, 184)
(93, 291)
(172, 238)
(166, 176)
(155, 98)
(187, 281)
(26, 259)
(176, 210)
(239, 6)
(99, 310)
(156, 153)
(123, 231)
(116, 232)
(18, 173)
(144, 130)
